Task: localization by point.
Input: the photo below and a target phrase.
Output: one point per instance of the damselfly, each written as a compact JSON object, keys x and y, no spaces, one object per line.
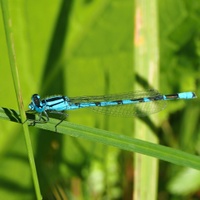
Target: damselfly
{"x":139,"y":103}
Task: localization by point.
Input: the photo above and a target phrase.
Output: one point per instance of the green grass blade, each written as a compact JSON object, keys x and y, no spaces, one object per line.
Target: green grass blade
{"x":120,"y":141}
{"x":146,"y":54}
{"x":126,"y":143}
{"x":15,"y":75}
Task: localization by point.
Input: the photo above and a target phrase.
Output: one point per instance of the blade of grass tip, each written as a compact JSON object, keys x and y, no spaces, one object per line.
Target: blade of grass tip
{"x":13,"y":64}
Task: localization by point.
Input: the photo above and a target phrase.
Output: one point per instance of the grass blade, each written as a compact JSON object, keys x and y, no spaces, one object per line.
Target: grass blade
{"x":146,"y":55}
{"x":109,"y":138}
{"x":15,"y":75}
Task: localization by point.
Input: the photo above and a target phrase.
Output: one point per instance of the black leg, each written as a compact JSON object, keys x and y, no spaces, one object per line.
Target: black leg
{"x":62,"y":118}
{"x":40,"y":120}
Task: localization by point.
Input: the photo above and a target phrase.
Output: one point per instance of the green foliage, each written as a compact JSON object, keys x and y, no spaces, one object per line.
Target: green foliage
{"x":85,"y":48}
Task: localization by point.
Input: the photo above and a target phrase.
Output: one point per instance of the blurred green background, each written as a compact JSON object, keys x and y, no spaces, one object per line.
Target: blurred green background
{"x":85,"y":47}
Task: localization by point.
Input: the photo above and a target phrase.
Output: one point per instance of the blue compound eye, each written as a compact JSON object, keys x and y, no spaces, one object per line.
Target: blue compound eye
{"x":36,"y":100}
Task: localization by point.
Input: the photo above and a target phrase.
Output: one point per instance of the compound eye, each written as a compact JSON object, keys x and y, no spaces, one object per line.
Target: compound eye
{"x":36,"y":100}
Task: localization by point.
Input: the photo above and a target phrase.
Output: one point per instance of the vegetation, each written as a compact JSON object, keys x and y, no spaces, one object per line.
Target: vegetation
{"x":78,"y":48}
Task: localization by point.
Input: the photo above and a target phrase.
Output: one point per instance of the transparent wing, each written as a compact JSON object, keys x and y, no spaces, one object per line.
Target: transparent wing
{"x":125,"y":110}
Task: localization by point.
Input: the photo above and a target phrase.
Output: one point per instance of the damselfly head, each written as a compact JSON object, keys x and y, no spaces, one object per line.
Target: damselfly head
{"x":35,"y":102}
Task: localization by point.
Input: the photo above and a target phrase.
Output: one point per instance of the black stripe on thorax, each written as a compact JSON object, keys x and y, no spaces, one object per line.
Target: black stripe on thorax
{"x":54,"y":99}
